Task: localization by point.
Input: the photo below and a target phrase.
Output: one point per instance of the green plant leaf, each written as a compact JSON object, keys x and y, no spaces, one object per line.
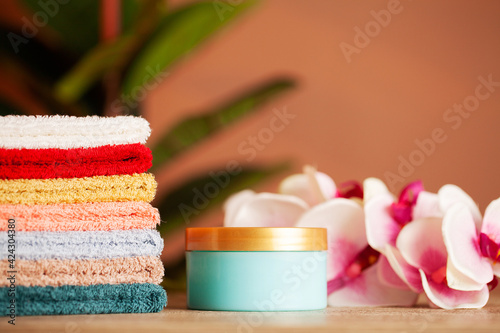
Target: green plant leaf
{"x":193,"y":130}
{"x":77,"y":22}
{"x":90,"y":69}
{"x":179,"y":208}
{"x":112,"y":56}
{"x":177,"y":34}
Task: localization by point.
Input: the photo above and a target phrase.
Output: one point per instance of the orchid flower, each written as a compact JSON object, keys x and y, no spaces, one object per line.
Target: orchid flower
{"x":474,"y":253}
{"x":357,"y":274}
{"x":311,"y":186}
{"x":315,"y":187}
{"x":423,"y":252}
{"x":250,"y":209}
{"x":386,"y":250}
{"x":385,"y":216}
{"x":297,"y":193}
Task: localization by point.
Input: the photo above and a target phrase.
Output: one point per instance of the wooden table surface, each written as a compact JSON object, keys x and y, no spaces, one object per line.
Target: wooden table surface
{"x":176,"y":318}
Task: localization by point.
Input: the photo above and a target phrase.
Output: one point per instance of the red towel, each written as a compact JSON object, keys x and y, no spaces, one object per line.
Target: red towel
{"x":77,"y":162}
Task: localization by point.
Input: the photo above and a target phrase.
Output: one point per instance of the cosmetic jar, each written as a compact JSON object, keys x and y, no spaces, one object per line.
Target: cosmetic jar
{"x":256,"y":269}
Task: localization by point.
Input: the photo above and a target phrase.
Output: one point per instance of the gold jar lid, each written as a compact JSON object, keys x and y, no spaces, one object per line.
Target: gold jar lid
{"x":255,"y":239}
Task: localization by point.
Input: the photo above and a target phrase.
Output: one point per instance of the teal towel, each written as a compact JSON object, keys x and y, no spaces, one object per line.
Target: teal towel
{"x":103,"y":298}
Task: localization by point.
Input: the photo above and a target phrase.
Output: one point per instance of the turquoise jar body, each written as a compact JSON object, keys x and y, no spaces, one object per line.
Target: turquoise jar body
{"x":256,"y":281}
{"x":279,"y":279}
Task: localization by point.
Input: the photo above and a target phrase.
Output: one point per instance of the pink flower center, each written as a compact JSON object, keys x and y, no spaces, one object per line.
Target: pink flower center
{"x":439,"y":276}
{"x":350,"y":189}
{"x":402,"y":210}
{"x":363,"y":260}
{"x":493,"y":283}
{"x":489,"y":248}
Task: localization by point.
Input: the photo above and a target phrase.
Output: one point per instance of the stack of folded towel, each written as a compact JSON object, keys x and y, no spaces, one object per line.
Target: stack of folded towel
{"x":76,"y":227}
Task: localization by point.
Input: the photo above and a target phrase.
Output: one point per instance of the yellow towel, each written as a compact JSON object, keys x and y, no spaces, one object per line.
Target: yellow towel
{"x":136,"y":187}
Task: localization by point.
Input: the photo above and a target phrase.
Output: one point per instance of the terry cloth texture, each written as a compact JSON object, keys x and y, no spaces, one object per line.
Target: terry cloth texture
{"x":34,"y":132}
{"x":66,"y":300}
{"x":38,"y":245}
{"x":77,"y":162}
{"x":54,"y":272}
{"x":81,"y":216}
{"x":136,"y":187}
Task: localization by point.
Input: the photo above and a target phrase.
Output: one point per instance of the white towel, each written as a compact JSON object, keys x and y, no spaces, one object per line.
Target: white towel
{"x":66,"y":132}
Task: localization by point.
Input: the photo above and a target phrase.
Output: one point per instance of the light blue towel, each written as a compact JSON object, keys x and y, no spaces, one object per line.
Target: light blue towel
{"x":36,"y":245}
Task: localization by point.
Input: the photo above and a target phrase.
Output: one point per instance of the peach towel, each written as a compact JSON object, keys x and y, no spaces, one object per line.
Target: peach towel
{"x":53,"y":272}
{"x":136,"y":187}
{"x":81,"y":216}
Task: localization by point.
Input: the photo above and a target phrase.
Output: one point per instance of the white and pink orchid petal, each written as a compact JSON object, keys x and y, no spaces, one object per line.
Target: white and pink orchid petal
{"x":300,"y":186}
{"x":421,"y":244}
{"x":407,"y":273}
{"x":450,"y":194}
{"x":269,"y":210}
{"x":233,"y":204}
{"x":387,"y":276}
{"x":444,"y":297}
{"x":459,"y":281}
{"x":469,"y":270}
{"x":373,"y":187}
{"x":368,"y":290}
{"x":491,"y":221}
{"x":344,"y":220}
{"x":427,"y":206}
{"x":381,"y":228}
